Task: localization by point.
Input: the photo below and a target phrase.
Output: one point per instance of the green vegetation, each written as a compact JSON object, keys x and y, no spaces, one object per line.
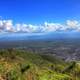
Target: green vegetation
{"x":23,"y":65}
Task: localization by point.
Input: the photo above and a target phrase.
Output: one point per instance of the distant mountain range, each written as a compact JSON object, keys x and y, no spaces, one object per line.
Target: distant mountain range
{"x":39,"y":36}
{"x":22,"y":39}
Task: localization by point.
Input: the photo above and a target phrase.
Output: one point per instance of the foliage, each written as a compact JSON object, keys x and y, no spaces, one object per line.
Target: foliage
{"x":18,"y":64}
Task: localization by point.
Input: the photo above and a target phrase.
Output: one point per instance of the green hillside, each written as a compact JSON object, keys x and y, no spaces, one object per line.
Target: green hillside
{"x":18,"y":64}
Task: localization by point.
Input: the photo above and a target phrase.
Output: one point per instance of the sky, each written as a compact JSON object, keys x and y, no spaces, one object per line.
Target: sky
{"x":39,"y":15}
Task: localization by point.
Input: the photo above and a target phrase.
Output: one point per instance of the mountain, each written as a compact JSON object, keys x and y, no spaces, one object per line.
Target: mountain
{"x":65,"y":45}
{"x":39,"y":36}
{"x":17,"y":64}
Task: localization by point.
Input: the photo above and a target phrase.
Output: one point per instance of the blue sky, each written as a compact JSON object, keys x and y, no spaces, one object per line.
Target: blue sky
{"x":39,"y":11}
{"x":39,"y":15}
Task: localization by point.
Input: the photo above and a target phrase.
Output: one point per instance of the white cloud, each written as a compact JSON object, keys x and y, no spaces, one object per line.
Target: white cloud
{"x":18,"y":27}
{"x":1,"y":25}
{"x":7,"y":26}
{"x":49,"y":27}
{"x":72,"y":24}
{"x":25,"y":28}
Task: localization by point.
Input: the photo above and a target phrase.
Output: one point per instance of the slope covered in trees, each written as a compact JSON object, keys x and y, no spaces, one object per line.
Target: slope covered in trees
{"x":18,"y":64}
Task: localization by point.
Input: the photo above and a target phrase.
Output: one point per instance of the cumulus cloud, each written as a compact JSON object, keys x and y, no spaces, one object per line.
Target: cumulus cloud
{"x":50,"y":27}
{"x":73,"y":24}
{"x":26,"y":28}
{"x":8,"y":26}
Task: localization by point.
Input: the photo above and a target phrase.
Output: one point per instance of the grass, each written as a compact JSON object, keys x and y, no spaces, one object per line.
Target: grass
{"x":18,"y":64}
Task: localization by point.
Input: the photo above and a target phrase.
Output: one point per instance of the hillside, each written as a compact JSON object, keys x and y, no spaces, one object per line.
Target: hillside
{"x":18,"y":64}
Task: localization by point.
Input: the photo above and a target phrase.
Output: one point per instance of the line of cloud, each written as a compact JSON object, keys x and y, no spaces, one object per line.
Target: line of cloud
{"x":70,"y":25}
